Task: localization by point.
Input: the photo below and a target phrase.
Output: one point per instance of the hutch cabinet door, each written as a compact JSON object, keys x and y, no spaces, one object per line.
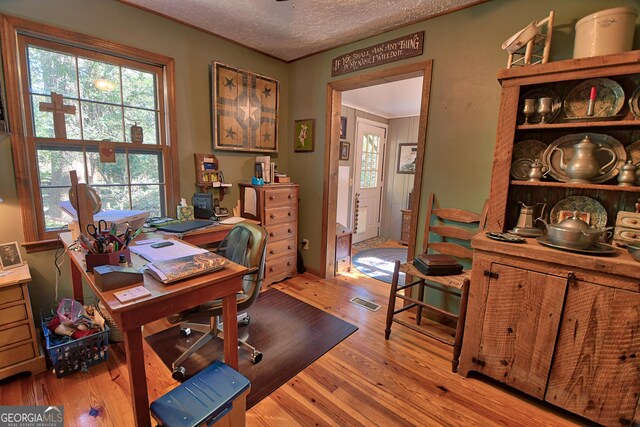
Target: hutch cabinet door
{"x":596,"y":367}
{"x":522,"y":314}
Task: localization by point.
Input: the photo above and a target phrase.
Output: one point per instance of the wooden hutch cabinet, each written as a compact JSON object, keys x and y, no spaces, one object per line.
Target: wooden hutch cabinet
{"x":559,"y":325}
{"x":276,"y":207}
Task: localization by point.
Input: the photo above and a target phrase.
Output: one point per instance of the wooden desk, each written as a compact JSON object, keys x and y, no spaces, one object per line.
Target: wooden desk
{"x":164,"y":300}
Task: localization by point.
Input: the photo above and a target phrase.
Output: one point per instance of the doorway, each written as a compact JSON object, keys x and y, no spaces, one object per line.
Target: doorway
{"x":368,"y":186}
{"x":332,"y":149}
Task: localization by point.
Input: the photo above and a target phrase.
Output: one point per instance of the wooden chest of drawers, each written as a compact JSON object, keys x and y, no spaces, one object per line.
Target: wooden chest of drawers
{"x":406,"y":224}
{"x":276,"y":207}
{"x":19,"y":349}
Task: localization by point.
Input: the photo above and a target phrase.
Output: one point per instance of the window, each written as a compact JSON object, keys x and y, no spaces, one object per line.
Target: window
{"x":369,"y":165}
{"x":101,"y":112}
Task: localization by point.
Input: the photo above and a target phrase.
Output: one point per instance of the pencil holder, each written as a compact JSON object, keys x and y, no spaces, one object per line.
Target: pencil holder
{"x":109,"y":258}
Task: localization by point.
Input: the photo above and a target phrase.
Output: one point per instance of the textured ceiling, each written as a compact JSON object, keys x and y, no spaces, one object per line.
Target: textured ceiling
{"x":289,"y":30}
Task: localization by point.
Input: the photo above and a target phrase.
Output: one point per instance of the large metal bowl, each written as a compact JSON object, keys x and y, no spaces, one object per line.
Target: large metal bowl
{"x":634,"y":250}
{"x":573,"y":239}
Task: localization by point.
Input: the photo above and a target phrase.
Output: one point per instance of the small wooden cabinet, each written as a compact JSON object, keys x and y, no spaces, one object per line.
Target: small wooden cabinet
{"x":276,"y":207}
{"x":19,"y":349}
{"x":561,"y":327}
{"x":343,"y":249}
{"x":406,"y":224}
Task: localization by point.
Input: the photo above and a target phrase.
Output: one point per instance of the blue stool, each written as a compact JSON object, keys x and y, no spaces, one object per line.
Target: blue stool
{"x":204,"y":398}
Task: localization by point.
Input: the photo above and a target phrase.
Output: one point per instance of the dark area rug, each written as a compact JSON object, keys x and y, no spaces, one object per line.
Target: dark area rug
{"x":378,"y":263}
{"x":290,"y":333}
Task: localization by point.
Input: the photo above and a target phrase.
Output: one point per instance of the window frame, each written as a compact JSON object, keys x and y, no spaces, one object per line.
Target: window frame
{"x":14,"y":32}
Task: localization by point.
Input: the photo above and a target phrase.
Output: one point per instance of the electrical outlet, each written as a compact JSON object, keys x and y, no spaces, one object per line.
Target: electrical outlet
{"x":305,"y":244}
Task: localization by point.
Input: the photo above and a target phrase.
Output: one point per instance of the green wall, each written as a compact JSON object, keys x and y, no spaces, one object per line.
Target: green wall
{"x":464,"y":45}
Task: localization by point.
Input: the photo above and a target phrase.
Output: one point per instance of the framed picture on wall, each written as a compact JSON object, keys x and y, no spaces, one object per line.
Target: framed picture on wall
{"x":343,"y":127}
{"x":303,"y":134}
{"x":407,"y":158}
{"x":245,"y":110}
{"x":344,"y":150}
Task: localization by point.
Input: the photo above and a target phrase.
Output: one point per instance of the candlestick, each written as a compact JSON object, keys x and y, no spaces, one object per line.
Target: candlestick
{"x":592,"y":101}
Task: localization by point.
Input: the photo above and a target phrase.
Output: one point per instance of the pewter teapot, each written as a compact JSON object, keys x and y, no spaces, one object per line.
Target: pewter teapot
{"x":583,"y":165}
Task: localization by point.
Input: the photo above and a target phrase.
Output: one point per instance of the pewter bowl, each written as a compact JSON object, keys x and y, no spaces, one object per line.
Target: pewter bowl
{"x":634,"y":250}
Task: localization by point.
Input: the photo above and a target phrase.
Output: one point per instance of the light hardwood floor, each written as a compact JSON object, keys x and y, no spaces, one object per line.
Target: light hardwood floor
{"x":364,"y":380}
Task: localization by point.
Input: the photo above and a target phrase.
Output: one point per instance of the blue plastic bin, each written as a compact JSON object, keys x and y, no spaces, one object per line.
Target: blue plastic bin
{"x":204,"y":398}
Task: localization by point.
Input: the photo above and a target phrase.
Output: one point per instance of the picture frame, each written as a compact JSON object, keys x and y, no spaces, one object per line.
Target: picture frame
{"x":344,"y":150}
{"x":407,"y":158}
{"x":10,"y":256}
{"x":343,"y":127}
{"x":245,"y":108}
{"x":303,"y":131}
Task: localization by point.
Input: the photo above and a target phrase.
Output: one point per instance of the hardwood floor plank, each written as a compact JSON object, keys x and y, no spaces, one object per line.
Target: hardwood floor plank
{"x":364,"y":380}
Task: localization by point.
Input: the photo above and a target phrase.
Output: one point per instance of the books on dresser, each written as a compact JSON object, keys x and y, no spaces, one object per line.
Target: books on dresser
{"x":437,"y":265}
{"x":170,"y":271}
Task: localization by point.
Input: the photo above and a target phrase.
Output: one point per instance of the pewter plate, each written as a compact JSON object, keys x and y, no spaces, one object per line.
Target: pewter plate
{"x":633,"y":152}
{"x":609,"y":99}
{"x":551,"y":157}
{"x":582,"y":204}
{"x":520,"y":169}
{"x":634,"y":103}
{"x":556,"y":104}
{"x":596,"y":249}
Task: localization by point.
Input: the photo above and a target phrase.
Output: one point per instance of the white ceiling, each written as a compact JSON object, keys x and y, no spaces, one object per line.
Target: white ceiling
{"x":390,"y":100}
{"x":293,"y":29}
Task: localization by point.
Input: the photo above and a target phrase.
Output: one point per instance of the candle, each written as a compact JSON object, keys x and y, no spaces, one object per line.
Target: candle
{"x":592,"y":101}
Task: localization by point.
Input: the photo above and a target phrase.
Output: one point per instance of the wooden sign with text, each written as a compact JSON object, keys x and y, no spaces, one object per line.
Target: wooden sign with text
{"x":383,"y":53}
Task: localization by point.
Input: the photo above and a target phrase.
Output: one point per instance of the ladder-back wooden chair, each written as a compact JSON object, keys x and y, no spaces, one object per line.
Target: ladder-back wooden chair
{"x":447,"y":231}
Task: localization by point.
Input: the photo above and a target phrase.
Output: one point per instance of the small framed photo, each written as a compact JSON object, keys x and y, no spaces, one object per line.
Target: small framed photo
{"x":10,"y":255}
{"x":343,"y":127}
{"x":344,"y":150}
{"x":407,"y":158}
{"x":303,"y":134}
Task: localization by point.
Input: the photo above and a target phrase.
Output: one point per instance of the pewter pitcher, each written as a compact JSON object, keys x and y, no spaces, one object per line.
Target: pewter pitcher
{"x":583,"y":165}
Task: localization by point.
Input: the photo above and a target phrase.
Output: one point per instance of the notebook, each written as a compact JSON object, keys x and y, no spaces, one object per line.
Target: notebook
{"x":184,"y":226}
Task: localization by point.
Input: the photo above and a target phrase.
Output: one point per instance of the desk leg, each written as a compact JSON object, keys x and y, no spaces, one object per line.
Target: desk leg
{"x":230,"y":321}
{"x":137,"y":377}
{"x":76,"y":282}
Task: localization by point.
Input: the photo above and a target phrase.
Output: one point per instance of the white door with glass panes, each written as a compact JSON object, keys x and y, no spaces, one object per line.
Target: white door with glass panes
{"x":368,"y":170}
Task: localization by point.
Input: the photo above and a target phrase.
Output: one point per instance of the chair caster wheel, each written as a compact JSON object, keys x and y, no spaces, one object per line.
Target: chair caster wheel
{"x":185,"y":332}
{"x":256,"y":357}
{"x":245,"y":321}
{"x":179,"y":373}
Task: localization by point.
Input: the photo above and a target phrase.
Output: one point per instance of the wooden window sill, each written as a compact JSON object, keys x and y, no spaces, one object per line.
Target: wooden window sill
{"x":41,"y":245}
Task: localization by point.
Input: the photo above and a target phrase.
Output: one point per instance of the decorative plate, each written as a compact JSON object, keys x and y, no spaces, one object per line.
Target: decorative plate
{"x":597,"y":212}
{"x":609,"y":99}
{"x":551,"y":157}
{"x":520,"y":169}
{"x":556,"y":104}
{"x":597,"y":249}
{"x":528,"y":149}
{"x":634,"y":103}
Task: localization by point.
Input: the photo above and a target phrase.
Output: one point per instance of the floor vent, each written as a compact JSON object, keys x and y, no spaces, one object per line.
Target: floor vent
{"x":366,"y":304}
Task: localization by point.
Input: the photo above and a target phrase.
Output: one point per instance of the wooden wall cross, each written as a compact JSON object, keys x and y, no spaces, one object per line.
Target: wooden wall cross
{"x":57,"y":107}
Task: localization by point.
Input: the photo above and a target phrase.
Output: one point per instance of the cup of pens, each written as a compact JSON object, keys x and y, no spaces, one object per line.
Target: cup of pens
{"x":105,"y":249}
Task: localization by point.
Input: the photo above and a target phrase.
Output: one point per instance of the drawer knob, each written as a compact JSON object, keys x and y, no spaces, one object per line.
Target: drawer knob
{"x":272,"y":197}
{"x":289,"y":213}
{"x":271,"y":269}
{"x":271,"y":252}
{"x":634,"y":221}
{"x":289,"y":230}
{"x":289,"y":196}
{"x":633,"y":236}
{"x":289,"y":247}
{"x":272,"y":216}
{"x":271,"y":234}
{"x":288,"y":263}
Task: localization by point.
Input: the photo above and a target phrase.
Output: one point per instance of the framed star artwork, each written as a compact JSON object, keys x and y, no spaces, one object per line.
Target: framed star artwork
{"x":245,"y":110}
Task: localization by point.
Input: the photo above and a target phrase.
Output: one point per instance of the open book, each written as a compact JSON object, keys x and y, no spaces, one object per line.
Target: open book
{"x":188,"y":266}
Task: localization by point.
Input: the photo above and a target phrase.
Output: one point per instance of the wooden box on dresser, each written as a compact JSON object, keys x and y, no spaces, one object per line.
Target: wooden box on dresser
{"x":561,"y":326}
{"x":276,"y":207}
{"x":19,"y":348}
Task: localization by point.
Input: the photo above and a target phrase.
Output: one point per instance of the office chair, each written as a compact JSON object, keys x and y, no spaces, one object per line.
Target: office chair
{"x":447,"y":231}
{"x":246,"y":245}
